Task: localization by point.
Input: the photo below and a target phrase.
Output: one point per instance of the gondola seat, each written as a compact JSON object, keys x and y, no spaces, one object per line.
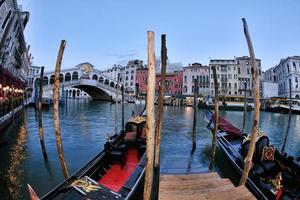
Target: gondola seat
{"x":265,"y":169}
{"x":130,"y":136}
{"x":118,"y":156}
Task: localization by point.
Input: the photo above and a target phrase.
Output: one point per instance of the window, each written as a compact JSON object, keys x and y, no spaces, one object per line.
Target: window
{"x":239,"y":70}
{"x":288,"y":68}
{"x":185,"y":79}
{"x":131,"y":77}
{"x":234,"y":68}
{"x":229,"y":76}
{"x":235,"y":76}
{"x":218,"y":76}
{"x":248,"y":71}
{"x":1,"y":2}
{"x":5,"y":20}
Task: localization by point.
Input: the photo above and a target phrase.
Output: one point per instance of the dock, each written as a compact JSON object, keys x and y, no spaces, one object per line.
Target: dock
{"x":203,"y":186}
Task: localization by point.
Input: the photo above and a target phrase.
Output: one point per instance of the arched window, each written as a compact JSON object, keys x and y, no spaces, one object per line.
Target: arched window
{"x":95,"y":77}
{"x":101,"y":79}
{"x":52,"y":79}
{"x":112,"y":84}
{"x":78,"y":93}
{"x":185,"y":89}
{"x":61,"y":78}
{"x":67,"y":77}
{"x":75,"y":76}
{"x":106,"y":82}
{"x":45,"y":80}
{"x":37,"y":82}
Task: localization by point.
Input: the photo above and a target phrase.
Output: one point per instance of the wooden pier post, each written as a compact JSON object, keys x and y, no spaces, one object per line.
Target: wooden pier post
{"x":162,"y":87}
{"x":214,"y":138}
{"x":56,"y":109}
{"x":255,"y":89}
{"x":41,"y":129}
{"x":289,"y":119}
{"x":116,"y":108}
{"x":150,"y":124}
{"x":195,"y":113}
{"x":245,"y":107}
{"x":123,"y":112}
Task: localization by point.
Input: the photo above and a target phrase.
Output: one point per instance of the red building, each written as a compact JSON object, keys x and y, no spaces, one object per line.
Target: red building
{"x":174,"y":82}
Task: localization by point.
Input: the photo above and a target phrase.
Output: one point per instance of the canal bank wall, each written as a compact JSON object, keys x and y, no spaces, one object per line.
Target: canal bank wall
{"x":7,"y":119}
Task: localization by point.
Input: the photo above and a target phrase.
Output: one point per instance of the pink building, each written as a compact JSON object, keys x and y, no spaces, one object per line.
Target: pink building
{"x":174,"y":82}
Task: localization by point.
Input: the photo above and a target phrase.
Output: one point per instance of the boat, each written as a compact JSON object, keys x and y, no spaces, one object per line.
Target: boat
{"x":273,"y":175}
{"x":281,"y":105}
{"x":235,"y":103}
{"x":117,"y":172}
{"x":129,"y":100}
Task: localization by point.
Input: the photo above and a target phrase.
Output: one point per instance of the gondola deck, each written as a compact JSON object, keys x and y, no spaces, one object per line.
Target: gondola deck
{"x":116,"y":177}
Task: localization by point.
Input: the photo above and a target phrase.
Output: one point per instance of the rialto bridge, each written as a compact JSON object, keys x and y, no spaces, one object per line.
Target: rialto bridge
{"x":79,"y":81}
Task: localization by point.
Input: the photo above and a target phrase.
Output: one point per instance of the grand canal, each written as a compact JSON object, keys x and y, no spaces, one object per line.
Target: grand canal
{"x":84,"y":128}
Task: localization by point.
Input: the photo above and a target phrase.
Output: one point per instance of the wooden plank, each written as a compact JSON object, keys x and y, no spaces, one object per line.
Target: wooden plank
{"x":211,"y":183}
{"x":205,"y":186}
{"x":173,"y":177}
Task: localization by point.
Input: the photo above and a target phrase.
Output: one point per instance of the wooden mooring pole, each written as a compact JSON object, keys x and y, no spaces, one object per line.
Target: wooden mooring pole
{"x":41,"y":129}
{"x":56,"y":110}
{"x":116,"y":108}
{"x":214,"y":138}
{"x":150,"y":123}
{"x":289,"y":119}
{"x":195,"y":114}
{"x":162,"y":88}
{"x":255,"y":89}
{"x":245,"y":107}
{"x":123,"y":112}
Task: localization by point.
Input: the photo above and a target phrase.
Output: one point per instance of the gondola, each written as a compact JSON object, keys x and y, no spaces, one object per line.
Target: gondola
{"x":117,"y":172}
{"x":272,"y":176}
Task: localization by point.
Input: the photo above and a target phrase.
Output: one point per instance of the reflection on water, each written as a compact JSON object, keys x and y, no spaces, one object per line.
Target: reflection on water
{"x":84,"y":126}
{"x":14,"y":177}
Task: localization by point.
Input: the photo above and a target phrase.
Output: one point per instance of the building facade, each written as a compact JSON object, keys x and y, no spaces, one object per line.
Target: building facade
{"x":269,"y":89}
{"x":245,"y":75}
{"x":113,"y":72}
{"x":288,"y":69}
{"x":15,"y":60}
{"x":192,"y":72}
{"x":173,"y":82}
{"x":129,"y":75}
{"x":14,"y":52}
{"x":227,"y":75}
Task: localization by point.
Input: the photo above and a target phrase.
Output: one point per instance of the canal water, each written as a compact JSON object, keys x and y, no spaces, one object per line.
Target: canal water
{"x":84,"y":128}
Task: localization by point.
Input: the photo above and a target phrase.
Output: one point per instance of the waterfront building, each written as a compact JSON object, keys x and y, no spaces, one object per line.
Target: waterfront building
{"x":191,"y":72}
{"x":227,"y":75}
{"x":129,"y":75}
{"x":113,"y":72}
{"x":33,"y":72}
{"x":270,"y":75}
{"x":244,"y":74}
{"x":15,"y":59}
{"x":173,"y":82}
{"x":288,"y":68}
{"x":269,"y":89}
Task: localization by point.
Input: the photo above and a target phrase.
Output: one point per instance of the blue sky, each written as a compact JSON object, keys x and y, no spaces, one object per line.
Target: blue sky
{"x":107,"y":32}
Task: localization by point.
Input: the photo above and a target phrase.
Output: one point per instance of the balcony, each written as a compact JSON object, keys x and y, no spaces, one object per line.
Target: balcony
{"x":224,"y":79}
